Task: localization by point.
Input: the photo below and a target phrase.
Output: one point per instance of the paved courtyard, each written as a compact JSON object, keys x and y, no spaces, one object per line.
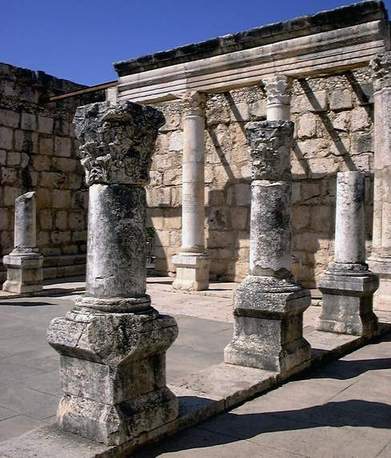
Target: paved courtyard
{"x":345,"y":408}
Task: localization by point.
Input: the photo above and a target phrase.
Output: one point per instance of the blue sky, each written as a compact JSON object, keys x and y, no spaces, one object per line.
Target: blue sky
{"x":80,"y":39}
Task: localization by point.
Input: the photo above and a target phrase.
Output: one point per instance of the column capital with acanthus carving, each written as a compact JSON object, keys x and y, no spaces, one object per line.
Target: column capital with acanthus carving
{"x":278,"y":89}
{"x":270,"y":149}
{"x":380,"y":68}
{"x":193,"y":103}
{"x":117,"y":141}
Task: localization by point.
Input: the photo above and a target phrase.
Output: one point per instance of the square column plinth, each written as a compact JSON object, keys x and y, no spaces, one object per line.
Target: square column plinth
{"x":24,"y":273}
{"x":192,"y":271}
{"x":113,"y":373}
{"x":268,"y":331}
{"x":347,"y":303}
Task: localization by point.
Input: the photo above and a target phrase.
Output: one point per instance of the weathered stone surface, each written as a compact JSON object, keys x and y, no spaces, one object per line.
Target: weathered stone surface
{"x":113,"y":343}
{"x":24,"y":263}
{"x":347,"y":285}
{"x":380,"y":260}
{"x":116,"y":142}
{"x":113,"y":373}
{"x":269,"y":305}
{"x":192,"y":267}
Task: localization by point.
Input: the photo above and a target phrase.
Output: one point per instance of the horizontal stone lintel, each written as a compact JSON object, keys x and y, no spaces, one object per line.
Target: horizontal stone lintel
{"x":321,"y":53}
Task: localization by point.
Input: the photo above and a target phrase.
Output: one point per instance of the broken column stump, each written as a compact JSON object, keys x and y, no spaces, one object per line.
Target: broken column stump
{"x":24,"y":263}
{"x":347,"y":285}
{"x":113,"y":343}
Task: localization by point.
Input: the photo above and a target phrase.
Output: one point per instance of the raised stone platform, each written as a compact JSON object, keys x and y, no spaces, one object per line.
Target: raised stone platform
{"x":203,"y":385}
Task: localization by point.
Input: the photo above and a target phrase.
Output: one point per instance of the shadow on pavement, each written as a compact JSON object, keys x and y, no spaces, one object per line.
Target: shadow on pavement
{"x":232,"y":427}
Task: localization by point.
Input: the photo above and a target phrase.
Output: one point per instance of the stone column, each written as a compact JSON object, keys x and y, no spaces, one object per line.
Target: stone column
{"x":192,"y":265}
{"x":380,"y":259}
{"x":278,"y":98}
{"x":347,"y":285}
{"x":269,"y":305}
{"x":113,"y":343}
{"x":24,"y":263}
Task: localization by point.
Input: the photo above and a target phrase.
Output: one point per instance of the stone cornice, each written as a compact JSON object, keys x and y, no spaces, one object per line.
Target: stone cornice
{"x":117,"y":141}
{"x":319,"y":53}
{"x":323,"y":21}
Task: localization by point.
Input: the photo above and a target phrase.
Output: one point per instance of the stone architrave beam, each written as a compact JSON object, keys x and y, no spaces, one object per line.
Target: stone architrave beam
{"x":269,"y":305}
{"x":113,"y":343}
{"x":192,"y":265}
{"x":24,"y":263}
{"x":347,"y":285}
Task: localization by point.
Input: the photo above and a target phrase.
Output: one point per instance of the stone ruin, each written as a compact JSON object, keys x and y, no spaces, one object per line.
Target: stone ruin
{"x":280,"y":127}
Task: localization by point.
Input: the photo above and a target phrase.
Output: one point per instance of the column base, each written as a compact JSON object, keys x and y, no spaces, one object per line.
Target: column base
{"x":382,"y":297}
{"x":348,"y":303}
{"x":24,"y":272}
{"x":268,"y":329}
{"x":192,"y":271}
{"x":113,"y":373}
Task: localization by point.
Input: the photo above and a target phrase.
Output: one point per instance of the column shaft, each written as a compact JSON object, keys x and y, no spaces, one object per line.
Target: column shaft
{"x":193,"y":183}
{"x":349,"y":227}
{"x":192,"y":265}
{"x":380,"y":259}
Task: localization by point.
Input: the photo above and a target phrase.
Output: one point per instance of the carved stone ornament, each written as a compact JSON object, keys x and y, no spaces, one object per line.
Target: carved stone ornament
{"x":380,"y":68}
{"x":193,"y":103}
{"x":270,"y":148}
{"x":117,"y":141}
{"x":278,"y":90}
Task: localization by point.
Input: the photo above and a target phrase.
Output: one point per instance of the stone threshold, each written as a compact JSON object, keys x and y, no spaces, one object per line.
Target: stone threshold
{"x":202,"y":395}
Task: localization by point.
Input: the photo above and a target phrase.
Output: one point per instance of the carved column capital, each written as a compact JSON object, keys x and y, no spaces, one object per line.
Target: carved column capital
{"x":380,"y":68}
{"x":270,"y":147}
{"x":278,"y":89}
{"x":193,"y":103}
{"x":117,"y":141}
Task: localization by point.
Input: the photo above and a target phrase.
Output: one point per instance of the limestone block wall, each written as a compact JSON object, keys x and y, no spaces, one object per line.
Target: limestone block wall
{"x":333,"y":118}
{"x":38,"y":152}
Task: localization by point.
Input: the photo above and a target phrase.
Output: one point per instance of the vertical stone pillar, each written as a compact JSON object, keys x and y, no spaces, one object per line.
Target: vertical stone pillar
{"x":113,"y":343}
{"x":278,"y":98}
{"x":192,"y":265}
{"x":348,"y":285}
{"x":380,"y":259}
{"x":269,"y":305}
{"x":24,"y":263}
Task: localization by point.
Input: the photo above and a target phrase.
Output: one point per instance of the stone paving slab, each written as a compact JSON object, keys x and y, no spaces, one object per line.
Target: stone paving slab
{"x":28,"y":366}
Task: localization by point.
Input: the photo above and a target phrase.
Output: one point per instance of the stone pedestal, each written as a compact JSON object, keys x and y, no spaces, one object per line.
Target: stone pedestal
{"x":24,"y":263}
{"x":192,"y":266}
{"x":113,"y":343}
{"x":348,"y":285}
{"x":380,"y":259}
{"x":269,"y":305}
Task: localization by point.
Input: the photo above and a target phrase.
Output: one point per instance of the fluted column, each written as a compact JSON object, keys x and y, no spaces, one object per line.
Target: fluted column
{"x":24,"y":263}
{"x":269,"y":305}
{"x":347,"y":285}
{"x":380,"y":260}
{"x":192,"y":266}
{"x":113,"y":343}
